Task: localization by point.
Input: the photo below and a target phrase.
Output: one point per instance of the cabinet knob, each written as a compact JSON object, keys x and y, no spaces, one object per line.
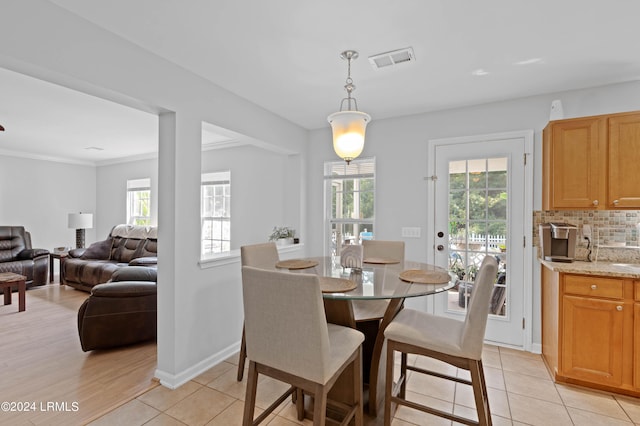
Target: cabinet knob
{"x":616,"y":202}
{"x":619,"y":307}
{"x":594,"y":287}
{"x":595,"y":202}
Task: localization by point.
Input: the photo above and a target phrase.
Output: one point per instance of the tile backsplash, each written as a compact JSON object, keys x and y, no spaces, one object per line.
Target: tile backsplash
{"x":609,"y":228}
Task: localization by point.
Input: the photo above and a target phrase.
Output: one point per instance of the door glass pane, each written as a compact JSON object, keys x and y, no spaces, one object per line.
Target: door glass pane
{"x":477,"y":227}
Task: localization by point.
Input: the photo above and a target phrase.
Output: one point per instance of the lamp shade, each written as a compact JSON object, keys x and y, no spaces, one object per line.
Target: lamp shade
{"x":348,"y":133}
{"x":80,"y":220}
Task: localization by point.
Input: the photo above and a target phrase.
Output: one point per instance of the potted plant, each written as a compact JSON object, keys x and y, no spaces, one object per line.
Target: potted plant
{"x":282,"y":235}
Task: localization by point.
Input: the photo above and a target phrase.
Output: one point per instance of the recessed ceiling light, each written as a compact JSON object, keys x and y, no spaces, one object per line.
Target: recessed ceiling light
{"x":529,"y":61}
{"x":94,"y":148}
{"x":480,"y":71}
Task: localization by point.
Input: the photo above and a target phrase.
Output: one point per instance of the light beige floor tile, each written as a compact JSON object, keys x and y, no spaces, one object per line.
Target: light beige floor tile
{"x":270,"y":390}
{"x":435,"y":365}
{"x":215,"y":372}
{"x":232,"y":415}
{"x":470,"y":413}
{"x":161,"y":398}
{"x":227,"y":384}
{"x":290,"y":413}
{"x":200,"y":407}
{"x":631,"y":406}
{"x":596,"y":402}
{"x":588,"y":418}
{"x":398,"y":422}
{"x":530,"y":386}
{"x":281,"y":421}
{"x":133,"y":413}
{"x":418,"y":417}
{"x":491,"y":358}
{"x":537,"y":412}
{"x":532,"y":366}
{"x":164,"y":420}
{"x":494,"y":378}
{"x":498,"y":401}
{"x":434,"y":387}
{"x":518,"y":352}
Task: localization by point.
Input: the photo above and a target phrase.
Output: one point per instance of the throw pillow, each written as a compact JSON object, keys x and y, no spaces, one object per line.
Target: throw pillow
{"x":98,"y":250}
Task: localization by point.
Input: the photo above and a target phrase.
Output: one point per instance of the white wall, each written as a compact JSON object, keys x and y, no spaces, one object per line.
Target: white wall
{"x":400,"y":148}
{"x":111,"y":190}
{"x":257,"y":190}
{"x":39,"y":194}
{"x":196,"y":328}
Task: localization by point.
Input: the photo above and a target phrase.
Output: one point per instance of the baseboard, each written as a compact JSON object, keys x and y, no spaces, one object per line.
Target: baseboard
{"x":174,"y":381}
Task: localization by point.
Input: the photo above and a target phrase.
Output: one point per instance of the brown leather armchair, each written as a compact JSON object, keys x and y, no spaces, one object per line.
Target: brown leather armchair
{"x":120,"y":312}
{"x":17,"y":256}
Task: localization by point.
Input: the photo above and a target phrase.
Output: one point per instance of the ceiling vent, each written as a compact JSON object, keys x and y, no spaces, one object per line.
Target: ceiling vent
{"x":395,"y":57}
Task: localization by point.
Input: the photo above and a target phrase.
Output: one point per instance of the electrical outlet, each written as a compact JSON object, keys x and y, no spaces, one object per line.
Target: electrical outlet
{"x":586,"y":231}
{"x":411,"y":232}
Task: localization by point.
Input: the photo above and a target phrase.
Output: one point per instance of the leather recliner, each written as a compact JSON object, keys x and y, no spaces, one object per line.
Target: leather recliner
{"x":18,"y":256}
{"x":120,"y":312}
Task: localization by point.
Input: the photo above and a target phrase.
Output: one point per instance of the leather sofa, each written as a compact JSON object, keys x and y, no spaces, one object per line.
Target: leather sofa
{"x":120,"y":312}
{"x":18,"y":256}
{"x":126,"y":245}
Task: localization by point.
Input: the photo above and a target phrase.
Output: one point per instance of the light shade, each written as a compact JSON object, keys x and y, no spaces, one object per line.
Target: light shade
{"x":80,"y":221}
{"x":348,"y":133}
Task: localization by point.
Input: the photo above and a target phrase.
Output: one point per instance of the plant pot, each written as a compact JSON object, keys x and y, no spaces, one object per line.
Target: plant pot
{"x":284,"y":241}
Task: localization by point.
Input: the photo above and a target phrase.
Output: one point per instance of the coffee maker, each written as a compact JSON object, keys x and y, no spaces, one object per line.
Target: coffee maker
{"x":558,"y":241}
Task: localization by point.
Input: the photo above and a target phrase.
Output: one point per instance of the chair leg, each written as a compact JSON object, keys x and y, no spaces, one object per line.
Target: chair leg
{"x":242,"y":357}
{"x":403,"y":375}
{"x":250,"y":396}
{"x":388,"y":386}
{"x":299,"y":401}
{"x":480,"y":392}
{"x":357,"y":388}
{"x":320,"y":406}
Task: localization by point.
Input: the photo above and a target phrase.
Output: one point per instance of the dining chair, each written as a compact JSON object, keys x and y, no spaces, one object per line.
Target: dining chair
{"x":264,"y":256}
{"x":288,"y":339}
{"x":455,"y":342}
{"x":371,"y":310}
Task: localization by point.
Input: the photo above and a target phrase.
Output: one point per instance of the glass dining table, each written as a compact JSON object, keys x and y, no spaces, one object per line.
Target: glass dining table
{"x":378,"y":279}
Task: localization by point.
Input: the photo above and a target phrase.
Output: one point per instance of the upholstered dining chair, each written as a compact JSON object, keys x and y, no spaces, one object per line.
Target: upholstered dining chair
{"x":288,"y":339}
{"x":263,"y":256}
{"x":371,"y":310}
{"x":458,"y":343}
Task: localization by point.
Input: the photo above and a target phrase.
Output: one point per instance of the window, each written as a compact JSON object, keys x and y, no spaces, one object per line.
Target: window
{"x":215,"y":212}
{"x":139,"y":202}
{"x":349,"y":199}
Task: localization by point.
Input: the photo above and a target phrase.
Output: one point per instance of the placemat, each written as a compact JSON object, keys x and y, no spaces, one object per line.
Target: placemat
{"x":336,"y":285}
{"x":380,"y":260}
{"x":424,"y":277}
{"x":296,"y":264}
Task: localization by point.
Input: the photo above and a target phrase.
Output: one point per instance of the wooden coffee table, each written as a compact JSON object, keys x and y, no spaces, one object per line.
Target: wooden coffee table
{"x":7,"y":279}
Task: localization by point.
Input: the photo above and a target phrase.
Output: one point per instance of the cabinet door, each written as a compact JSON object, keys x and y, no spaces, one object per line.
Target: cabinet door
{"x":624,"y":160}
{"x":636,"y":345}
{"x":575,"y":164}
{"x":592,"y":337}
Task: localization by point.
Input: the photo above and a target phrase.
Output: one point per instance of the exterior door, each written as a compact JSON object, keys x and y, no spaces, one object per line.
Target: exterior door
{"x":481,"y":201}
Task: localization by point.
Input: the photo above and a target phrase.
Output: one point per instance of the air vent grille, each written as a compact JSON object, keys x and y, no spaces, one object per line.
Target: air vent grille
{"x":395,"y":57}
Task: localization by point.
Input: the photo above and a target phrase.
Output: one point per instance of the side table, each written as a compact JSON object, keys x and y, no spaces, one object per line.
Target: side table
{"x":61,"y":256}
{"x":7,"y":279}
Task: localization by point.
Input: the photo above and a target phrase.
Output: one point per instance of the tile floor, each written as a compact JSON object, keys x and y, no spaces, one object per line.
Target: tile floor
{"x":520,"y":393}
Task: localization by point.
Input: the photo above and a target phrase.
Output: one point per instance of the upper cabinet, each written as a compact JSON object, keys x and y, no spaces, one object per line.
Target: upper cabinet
{"x":592,"y":163}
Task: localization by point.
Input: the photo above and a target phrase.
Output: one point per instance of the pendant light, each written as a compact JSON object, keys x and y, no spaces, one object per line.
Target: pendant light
{"x":349,"y":125}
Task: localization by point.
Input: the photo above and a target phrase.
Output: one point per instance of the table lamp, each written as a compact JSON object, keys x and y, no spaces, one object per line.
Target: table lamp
{"x":80,"y":222}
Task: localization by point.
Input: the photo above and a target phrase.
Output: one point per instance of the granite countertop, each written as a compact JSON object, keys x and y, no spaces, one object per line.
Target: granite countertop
{"x":610,"y":269}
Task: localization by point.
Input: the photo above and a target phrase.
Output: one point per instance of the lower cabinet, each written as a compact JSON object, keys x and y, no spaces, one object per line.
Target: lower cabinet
{"x":592,"y":337}
{"x":590,"y":323}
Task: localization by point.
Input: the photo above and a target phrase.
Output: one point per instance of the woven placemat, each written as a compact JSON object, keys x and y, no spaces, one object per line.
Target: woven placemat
{"x":381,"y":260}
{"x":296,"y":264}
{"x":336,"y":285}
{"x":424,"y":277}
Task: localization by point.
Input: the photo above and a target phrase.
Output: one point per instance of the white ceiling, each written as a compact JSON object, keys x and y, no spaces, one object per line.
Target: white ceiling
{"x":284,"y":56}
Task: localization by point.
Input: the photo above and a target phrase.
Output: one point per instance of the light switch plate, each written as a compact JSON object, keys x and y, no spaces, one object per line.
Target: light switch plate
{"x":411,"y":232}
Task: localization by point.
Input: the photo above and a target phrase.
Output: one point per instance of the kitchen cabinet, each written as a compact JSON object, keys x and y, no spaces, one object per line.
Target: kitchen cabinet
{"x":592,"y":162}
{"x":588,"y":326}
